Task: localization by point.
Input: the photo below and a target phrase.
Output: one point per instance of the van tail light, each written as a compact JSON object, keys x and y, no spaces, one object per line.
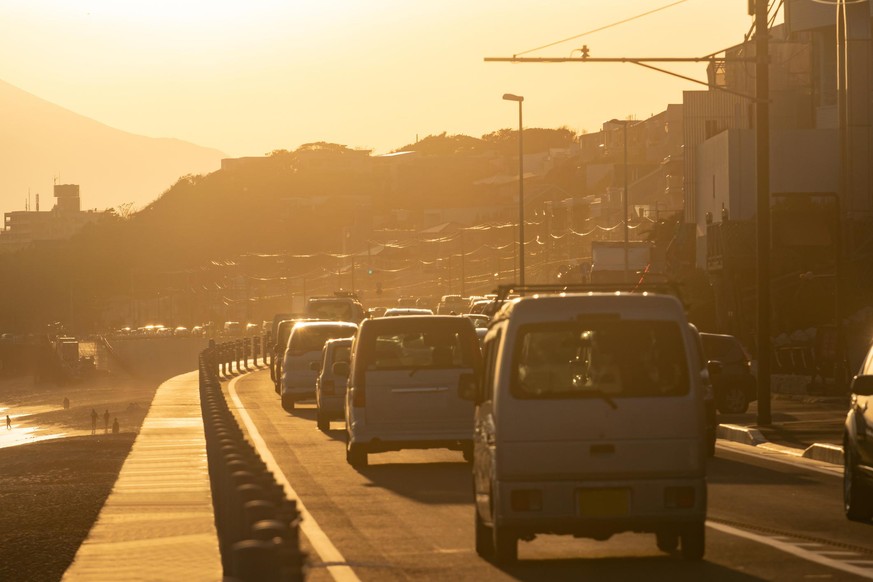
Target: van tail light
{"x":679,"y":497}
{"x":327,"y":386}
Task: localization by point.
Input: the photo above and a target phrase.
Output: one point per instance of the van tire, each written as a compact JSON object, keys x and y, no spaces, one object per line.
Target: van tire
{"x":356,"y":455}
{"x":733,"y":400}
{"x":287,"y":403}
{"x":322,"y":422}
{"x":667,"y":540}
{"x":693,"y":539}
{"x":505,"y":543}
{"x":484,"y":541}
{"x":857,"y":496}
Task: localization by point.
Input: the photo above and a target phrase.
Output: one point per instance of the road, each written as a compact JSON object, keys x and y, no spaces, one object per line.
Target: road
{"x":409,"y":515}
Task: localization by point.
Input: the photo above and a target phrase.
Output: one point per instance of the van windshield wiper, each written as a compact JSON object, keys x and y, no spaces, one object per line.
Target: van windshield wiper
{"x":604,"y":396}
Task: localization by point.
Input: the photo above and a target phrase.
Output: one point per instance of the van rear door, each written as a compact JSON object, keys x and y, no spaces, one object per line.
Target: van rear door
{"x":599,"y":399}
{"x":412,"y":372}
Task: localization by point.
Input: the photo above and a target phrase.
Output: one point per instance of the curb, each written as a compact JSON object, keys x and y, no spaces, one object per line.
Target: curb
{"x":823,"y":452}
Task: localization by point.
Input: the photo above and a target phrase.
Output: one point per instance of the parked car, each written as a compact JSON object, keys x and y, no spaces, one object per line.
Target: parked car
{"x":403,"y":386}
{"x":589,"y":421}
{"x":735,"y":386}
{"x":330,"y":386}
{"x":858,"y":446}
{"x":305,"y":344}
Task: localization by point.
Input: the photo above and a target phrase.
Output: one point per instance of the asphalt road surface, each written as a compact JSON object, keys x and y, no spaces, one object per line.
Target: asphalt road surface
{"x":409,"y":515}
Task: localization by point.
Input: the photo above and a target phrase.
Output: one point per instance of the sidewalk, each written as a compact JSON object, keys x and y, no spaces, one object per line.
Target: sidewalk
{"x":158,"y":521}
{"x":803,"y":422}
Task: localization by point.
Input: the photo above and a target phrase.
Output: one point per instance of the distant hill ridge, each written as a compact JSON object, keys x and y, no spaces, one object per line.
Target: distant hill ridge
{"x":40,"y":141}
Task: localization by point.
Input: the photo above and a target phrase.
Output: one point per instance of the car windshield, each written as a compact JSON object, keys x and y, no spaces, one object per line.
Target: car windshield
{"x":613,"y":358}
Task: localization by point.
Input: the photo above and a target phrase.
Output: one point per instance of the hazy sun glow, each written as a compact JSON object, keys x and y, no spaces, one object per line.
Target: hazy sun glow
{"x":250,"y":76}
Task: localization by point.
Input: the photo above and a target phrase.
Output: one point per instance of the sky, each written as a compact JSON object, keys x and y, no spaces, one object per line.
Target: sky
{"x":251,"y":76}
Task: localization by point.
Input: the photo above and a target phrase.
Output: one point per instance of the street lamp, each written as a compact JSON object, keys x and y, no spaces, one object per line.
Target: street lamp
{"x":624,"y":202}
{"x":519,"y":99}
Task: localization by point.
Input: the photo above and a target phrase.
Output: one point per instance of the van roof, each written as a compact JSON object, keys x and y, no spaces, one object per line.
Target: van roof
{"x":557,"y":307}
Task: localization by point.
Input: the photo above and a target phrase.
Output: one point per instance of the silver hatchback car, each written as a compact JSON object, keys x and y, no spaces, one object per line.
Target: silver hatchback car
{"x":330,"y":386}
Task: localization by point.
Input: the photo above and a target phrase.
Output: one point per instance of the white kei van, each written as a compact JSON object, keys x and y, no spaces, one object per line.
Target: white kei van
{"x":403,"y":388}
{"x":589,"y":421}
{"x":305,"y":344}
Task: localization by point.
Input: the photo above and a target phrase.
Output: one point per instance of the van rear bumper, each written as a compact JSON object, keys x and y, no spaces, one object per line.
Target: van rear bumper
{"x":381,"y":446}
{"x":649,"y":506}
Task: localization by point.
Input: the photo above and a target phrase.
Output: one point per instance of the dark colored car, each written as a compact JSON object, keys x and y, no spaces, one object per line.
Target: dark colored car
{"x":735,"y":386}
{"x":858,"y":446}
{"x":708,"y":369}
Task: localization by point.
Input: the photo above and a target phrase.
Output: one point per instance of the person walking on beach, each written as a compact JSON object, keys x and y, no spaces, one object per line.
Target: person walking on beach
{"x":93,"y":421}
{"x":115,"y":426}
{"x":8,"y":423}
{"x":106,"y":421}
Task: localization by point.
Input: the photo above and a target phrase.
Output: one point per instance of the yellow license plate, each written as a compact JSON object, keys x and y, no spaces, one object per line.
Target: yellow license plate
{"x":613,"y":502}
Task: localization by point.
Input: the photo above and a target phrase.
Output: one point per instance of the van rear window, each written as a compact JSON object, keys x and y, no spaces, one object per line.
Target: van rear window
{"x":422,"y":346}
{"x":613,"y":358}
{"x":312,"y":338}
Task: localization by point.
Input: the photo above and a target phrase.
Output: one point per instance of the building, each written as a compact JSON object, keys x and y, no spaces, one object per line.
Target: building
{"x":22,"y":228}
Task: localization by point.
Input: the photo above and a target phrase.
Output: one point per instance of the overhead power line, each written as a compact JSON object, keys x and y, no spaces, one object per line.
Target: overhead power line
{"x":620,"y":22}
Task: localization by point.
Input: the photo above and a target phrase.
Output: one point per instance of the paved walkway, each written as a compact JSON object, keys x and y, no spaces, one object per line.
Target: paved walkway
{"x":158,"y":523}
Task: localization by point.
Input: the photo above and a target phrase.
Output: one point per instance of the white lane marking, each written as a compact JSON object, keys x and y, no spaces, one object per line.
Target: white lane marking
{"x":339,"y":569}
{"x":793,"y":549}
{"x":801,"y":462}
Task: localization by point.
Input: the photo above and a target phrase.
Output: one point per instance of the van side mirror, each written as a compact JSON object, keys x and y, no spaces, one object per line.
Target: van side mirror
{"x":315,"y":366}
{"x":862,"y":385}
{"x":468,"y":388}
{"x":340,"y":368}
{"x":714,"y":367}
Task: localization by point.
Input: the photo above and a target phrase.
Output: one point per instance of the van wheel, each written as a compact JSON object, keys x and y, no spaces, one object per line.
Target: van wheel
{"x":321,"y":422}
{"x":733,"y":400}
{"x":857,"y":497}
{"x":693,"y":539}
{"x":356,"y":455}
{"x":505,"y":545}
{"x":287,"y":403}
{"x":667,"y":540}
{"x":484,"y":543}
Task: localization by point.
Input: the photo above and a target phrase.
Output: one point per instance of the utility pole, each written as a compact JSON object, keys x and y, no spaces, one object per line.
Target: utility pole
{"x":762,"y":138}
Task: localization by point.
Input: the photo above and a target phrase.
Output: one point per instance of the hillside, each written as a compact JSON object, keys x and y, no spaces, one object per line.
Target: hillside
{"x":40,"y":141}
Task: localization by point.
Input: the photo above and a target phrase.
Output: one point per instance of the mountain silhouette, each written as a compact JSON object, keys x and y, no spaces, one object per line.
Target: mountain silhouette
{"x":41,"y":143}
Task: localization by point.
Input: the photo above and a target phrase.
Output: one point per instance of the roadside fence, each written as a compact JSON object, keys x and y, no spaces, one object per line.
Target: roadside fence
{"x":258,"y":526}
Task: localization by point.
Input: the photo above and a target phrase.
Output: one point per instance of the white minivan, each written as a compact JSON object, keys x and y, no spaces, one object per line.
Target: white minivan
{"x":589,"y":421}
{"x":403,"y":387}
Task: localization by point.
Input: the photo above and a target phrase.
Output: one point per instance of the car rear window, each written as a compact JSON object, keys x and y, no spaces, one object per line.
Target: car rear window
{"x":722,"y":348}
{"x":613,"y":358}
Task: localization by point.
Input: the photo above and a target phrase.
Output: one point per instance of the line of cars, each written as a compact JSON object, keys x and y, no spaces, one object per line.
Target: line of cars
{"x":585,"y":414}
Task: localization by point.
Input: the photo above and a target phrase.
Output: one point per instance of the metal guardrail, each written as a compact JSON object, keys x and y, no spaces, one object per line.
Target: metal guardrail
{"x":258,"y":526}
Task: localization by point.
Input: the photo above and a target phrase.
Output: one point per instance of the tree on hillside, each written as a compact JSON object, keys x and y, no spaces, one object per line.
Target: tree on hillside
{"x":446,"y":145}
{"x":535,"y":139}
